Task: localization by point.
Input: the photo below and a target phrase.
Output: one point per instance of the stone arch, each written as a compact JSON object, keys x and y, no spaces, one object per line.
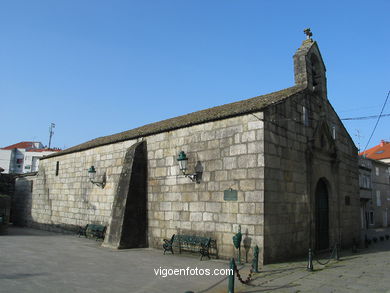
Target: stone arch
{"x":321,"y":213}
{"x":317,"y":74}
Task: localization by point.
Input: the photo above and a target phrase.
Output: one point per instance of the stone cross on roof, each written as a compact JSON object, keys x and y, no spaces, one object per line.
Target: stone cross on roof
{"x":308,"y":33}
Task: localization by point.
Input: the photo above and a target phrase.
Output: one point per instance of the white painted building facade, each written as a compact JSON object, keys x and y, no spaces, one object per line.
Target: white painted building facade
{"x":23,"y":157}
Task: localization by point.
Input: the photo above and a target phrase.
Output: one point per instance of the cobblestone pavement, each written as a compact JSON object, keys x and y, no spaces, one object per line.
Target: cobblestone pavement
{"x":39,"y":261}
{"x":368,"y":270}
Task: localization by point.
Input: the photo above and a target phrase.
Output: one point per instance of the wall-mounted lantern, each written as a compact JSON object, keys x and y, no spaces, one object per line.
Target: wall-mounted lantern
{"x":183,"y":161}
{"x":92,"y":174}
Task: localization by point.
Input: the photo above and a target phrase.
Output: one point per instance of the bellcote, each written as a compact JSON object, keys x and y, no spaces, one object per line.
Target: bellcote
{"x":309,"y":68}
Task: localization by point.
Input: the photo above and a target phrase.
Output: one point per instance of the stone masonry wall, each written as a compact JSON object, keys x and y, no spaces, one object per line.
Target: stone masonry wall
{"x":67,"y":199}
{"x":231,"y":154}
{"x":286,"y":201}
{"x":290,"y":178}
{"x":380,"y":187}
{"x":21,"y":200}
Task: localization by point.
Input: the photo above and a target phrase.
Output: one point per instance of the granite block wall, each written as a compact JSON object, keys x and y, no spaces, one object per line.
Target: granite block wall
{"x":231,"y":154}
{"x":294,"y":164}
{"x":64,"y":197}
{"x":230,"y":151}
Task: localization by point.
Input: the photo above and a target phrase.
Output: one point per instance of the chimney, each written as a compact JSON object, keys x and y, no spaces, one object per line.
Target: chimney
{"x":382,"y":143}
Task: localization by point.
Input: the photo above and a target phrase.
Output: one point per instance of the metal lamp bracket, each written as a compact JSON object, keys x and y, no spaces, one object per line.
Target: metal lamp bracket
{"x":101,"y":183}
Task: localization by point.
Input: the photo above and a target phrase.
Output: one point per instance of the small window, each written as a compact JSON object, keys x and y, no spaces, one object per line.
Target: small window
{"x":371,"y":218}
{"x":377,"y":171}
{"x":334,"y":132}
{"x":378,"y":198}
{"x":57,"y":167}
{"x":347,"y":201}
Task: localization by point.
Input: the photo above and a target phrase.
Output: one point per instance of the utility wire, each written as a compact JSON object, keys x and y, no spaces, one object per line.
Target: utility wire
{"x":366,"y":117}
{"x":312,"y":119}
{"x":377,"y":121}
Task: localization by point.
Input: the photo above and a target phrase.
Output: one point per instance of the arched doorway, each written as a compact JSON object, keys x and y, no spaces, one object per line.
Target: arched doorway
{"x":322,"y":215}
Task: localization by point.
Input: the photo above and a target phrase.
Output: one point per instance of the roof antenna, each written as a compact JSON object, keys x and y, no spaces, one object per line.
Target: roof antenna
{"x":51,"y":132}
{"x":358,"y":136}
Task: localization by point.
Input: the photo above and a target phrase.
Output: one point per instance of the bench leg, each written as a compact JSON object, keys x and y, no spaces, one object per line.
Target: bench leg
{"x":204,"y":252}
{"x":168,"y":248}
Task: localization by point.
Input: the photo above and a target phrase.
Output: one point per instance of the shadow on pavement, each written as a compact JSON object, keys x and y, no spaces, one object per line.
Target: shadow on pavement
{"x":20,"y":276}
{"x":23,"y":231}
{"x":214,"y":286}
{"x":267,"y":288}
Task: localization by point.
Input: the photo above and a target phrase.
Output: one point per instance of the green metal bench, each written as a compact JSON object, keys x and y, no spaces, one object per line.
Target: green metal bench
{"x":190,"y":243}
{"x":93,"y":231}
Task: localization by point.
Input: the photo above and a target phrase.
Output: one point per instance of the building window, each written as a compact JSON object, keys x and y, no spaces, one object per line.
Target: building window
{"x":364,"y":181}
{"x":377,"y":171}
{"x":57,"y":167}
{"x":347,"y":201}
{"x":305,"y":116}
{"x":371,"y":218}
{"x":334,"y":132}
{"x":378,"y":198}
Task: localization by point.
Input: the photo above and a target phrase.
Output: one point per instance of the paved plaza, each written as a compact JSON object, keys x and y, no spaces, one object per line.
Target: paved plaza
{"x":40,"y":261}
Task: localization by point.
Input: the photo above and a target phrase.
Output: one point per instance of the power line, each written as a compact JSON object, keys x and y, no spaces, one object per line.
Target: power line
{"x":377,"y":121}
{"x":312,"y":119}
{"x":366,"y":117}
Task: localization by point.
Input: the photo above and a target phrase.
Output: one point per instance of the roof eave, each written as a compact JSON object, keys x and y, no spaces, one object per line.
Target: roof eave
{"x":138,"y":132}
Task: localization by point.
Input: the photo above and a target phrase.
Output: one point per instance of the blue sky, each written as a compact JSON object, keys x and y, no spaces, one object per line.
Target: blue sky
{"x":96,"y":68}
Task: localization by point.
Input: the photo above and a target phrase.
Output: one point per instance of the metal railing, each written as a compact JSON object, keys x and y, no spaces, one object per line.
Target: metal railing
{"x":334,"y":254}
{"x":236,"y":271}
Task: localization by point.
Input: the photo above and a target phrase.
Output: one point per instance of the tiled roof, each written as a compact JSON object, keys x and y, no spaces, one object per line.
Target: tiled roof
{"x":43,"y":150}
{"x":212,"y":114}
{"x":378,"y":152}
{"x":20,"y":145}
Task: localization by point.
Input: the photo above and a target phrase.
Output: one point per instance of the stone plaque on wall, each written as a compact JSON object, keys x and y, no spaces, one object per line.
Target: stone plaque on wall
{"x":230,"y":195}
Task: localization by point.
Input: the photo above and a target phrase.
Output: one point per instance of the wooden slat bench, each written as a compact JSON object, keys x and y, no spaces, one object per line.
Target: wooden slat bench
{"x":93,"y":231}
{"x":191,"y":243}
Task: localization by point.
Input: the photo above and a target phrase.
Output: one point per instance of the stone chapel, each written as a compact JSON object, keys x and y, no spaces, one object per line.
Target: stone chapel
{"x":280,"y":165}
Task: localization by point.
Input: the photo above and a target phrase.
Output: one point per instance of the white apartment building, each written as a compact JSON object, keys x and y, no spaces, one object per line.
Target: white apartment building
{"x":23,"y":157}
